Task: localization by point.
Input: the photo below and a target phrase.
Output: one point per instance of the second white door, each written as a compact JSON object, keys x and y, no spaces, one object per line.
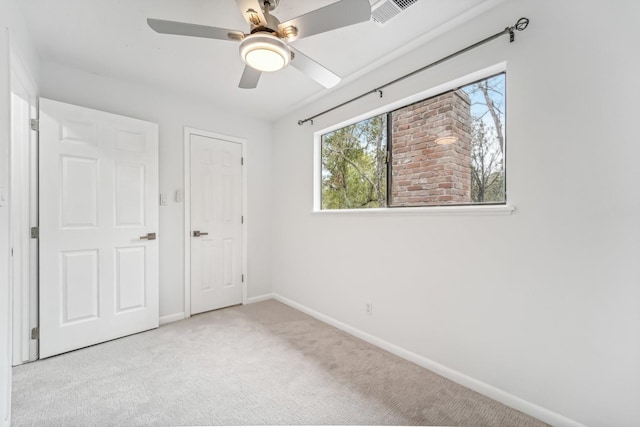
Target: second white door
{"x":216,"y":223}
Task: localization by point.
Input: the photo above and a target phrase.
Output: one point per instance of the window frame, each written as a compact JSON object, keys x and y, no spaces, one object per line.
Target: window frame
{"x":390,"y":141}
{"x":496,"y":208}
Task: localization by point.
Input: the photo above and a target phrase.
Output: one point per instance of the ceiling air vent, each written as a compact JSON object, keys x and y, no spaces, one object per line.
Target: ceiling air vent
{"x":384,"y":10}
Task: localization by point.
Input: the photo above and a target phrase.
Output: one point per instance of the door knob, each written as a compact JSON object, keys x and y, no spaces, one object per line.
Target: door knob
{"x":149,"y":236}
{"x":199,"y":233}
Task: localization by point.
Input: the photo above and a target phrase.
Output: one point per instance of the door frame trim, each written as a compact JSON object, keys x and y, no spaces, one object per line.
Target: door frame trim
{"x":188,"y":131}
{"x":26,"y":310}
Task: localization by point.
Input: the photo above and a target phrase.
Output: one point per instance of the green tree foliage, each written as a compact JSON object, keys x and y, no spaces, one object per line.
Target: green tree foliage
{"x":354,"y":165}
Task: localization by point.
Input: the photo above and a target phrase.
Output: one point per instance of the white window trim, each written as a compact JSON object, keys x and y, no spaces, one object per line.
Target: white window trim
{"x":425,"y":210}
{"x":500,"y":209}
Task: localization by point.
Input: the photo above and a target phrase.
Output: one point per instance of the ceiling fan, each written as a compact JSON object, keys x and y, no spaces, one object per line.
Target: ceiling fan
{"x":266,"y":47}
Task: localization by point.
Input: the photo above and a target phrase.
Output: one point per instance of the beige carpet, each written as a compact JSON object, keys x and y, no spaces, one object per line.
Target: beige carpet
{"x":252,"y":365}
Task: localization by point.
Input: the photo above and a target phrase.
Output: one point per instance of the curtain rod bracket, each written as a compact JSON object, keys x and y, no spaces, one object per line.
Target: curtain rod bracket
{"x":521,"y":25}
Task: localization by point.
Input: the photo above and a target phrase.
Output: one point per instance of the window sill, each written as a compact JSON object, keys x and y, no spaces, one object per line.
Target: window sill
{"x":427,"y":210}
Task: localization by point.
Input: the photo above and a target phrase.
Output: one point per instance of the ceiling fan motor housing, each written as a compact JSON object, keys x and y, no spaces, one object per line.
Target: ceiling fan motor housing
{"x":271,"y":24}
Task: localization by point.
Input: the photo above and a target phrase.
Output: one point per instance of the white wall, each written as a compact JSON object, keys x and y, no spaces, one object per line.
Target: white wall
{"x":13,"y":37}
{"x":543,"y":304}
{"x":172,"y":113}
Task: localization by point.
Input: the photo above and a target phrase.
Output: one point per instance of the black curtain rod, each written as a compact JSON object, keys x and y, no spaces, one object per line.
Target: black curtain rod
{"x":521,"y":25}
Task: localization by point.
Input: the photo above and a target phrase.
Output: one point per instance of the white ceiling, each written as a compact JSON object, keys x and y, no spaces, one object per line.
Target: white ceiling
{"x":111,"y":38}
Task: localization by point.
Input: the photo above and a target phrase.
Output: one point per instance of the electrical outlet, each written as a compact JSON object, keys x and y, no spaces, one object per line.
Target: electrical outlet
{"x":368,"y":307}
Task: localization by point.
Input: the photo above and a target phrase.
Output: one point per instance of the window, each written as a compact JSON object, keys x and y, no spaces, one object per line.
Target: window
{"x":354,"y":165}
{"x":444,"y":150}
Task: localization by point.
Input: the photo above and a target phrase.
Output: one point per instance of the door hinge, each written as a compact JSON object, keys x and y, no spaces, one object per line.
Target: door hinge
{"x":242,"y":220}
{"x":242,"y":161}
{"x":35,"y":232}
{"x":35,"y":333}
{"x":35,"y":124}
{"x":243,"y":278}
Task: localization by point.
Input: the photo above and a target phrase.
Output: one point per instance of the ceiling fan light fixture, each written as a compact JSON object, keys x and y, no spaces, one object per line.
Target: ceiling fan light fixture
{"x":265,"y":52}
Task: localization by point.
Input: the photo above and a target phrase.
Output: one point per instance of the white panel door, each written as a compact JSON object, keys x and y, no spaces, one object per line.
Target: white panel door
{"x":216,"y":223}
{"x":98,"y":204}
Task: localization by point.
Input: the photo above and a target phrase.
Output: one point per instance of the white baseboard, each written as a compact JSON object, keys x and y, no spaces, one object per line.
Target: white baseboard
{"x":260,"y":298}
{"x":180,"y":316}
{"x":171,"y":318}
{"x":488,"y":390}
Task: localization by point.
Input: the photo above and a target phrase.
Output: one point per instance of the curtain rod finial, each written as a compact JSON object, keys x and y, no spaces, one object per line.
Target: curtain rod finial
{"x":522,"y":24}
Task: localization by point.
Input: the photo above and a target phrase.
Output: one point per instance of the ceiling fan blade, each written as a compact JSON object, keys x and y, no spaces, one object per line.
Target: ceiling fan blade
{"x":250,"y":78}
{"x":314,"y":70}
{"x":336,"y":15}
{"x":252,"y":12}
{"x":193,"y":30}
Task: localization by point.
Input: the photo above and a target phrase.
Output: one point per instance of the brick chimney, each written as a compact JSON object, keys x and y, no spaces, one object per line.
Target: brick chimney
{"x":424,"y":172}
